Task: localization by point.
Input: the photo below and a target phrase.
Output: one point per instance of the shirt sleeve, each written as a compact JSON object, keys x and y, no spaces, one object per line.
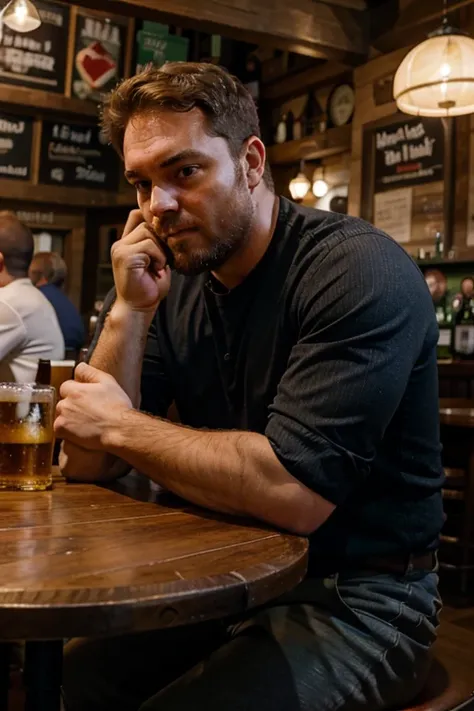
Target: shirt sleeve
{"x":364,"y":315}
{"x":12,"y":330}
{"x":156,"y":390}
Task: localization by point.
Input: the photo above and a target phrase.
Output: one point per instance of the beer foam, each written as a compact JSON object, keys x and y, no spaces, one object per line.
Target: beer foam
{"x":25,"y":393}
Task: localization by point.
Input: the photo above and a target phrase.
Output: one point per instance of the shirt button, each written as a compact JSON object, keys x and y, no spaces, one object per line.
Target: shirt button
{"x":227,"y":356}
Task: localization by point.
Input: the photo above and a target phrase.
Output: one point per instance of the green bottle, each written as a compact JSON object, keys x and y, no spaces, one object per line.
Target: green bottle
{"x":463,"y":332}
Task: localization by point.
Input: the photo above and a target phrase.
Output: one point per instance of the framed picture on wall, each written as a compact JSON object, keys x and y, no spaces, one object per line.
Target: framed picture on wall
{"x":403,"y":180}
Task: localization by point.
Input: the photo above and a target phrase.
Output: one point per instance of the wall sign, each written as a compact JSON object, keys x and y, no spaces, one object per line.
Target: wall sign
{"x":76,"y":156}
{"x":16,"y":141}
{"x":408,"y":153}
{"x":156,"y":46}
{"x":98,"y":56}
{"x":37,"y":59}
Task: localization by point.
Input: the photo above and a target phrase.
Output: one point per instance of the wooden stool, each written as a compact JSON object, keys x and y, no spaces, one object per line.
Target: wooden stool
{"x":457,"y":437}
{"x":450,"y":685}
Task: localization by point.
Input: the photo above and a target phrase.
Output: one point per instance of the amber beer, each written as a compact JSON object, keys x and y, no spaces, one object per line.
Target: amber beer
{"x":26,"y":436}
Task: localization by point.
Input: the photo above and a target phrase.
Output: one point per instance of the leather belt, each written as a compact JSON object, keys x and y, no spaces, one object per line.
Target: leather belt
{"x":398,"y":564}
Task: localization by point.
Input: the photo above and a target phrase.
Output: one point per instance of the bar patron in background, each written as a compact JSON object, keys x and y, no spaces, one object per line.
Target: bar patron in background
{"x":299,"y":347}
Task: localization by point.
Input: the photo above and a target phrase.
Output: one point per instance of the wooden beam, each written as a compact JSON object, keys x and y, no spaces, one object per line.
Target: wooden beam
{"x":296,"y":84}
{"x":303,"y":26}
{"x":351,"y":4}
{"x":321,"y":145}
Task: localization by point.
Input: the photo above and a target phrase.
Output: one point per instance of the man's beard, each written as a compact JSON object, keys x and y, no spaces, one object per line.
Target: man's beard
{"x":221,"y":247}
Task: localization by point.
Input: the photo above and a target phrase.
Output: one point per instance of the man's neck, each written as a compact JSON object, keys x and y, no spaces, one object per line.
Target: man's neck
{"x":6,"y":279}
{"x":234,"y":271}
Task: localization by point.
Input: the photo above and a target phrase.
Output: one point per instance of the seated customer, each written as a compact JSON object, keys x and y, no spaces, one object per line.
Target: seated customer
{"x":48,"y":272}
{"x":29,"y":329}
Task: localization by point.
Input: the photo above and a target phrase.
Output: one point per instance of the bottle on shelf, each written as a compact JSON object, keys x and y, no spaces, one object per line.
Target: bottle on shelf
{"x":280,"y":133}
{"x":298,"y":129}
{"x":290,"y":122}
{"x":444,"y":317}
{"x":439,"y":245}
{"x":463,"y":331}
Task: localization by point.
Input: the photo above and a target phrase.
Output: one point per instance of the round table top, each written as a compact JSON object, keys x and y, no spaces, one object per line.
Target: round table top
{"x":84,"y":560}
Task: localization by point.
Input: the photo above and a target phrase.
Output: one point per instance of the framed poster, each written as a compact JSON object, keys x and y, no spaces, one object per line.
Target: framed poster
{"x":156,"y":46}
{"x":403,"y":173}
{"x":75,"y":155}
{"x":37,"y":59}
{"x":99,"y":50}
{"x":16,"y":143}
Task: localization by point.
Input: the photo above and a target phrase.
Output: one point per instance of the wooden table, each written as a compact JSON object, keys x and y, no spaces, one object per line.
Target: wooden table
{"x":83,"y":560}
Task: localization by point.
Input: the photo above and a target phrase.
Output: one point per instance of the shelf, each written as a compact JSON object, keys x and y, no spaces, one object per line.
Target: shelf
{"x":443,"y":262}
{"x":320,"y":145}
{"x":29,"y":100}
{"x":62,"y":195}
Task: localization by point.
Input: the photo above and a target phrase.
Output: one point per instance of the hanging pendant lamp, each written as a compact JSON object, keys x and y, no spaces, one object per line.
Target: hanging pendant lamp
{"x":436,"y":78}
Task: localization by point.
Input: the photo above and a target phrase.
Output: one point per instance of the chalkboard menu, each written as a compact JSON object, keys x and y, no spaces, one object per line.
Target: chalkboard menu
{"x":98,"y":56}
{"x":408,"y":153}
{"x":75,"y":155}
{"x":16,"y":140}
{"x":37,"y":59}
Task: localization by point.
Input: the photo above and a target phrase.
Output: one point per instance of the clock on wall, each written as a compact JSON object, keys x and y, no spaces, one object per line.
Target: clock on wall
{"x":341,"y":104}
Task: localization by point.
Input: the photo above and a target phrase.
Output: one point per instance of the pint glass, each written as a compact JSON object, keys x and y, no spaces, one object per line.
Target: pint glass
{"x":26,"y":436}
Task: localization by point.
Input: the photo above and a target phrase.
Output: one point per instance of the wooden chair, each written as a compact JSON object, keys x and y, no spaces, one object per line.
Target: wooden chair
{"x":457,"y":437}
{"x":450,"y":685}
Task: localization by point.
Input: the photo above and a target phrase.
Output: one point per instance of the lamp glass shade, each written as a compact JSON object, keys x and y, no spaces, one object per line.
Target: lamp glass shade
{"x":21,"y":16}
{"x":299,"y":187}
{"x":320,"y":188}
{"x":436,"y":78}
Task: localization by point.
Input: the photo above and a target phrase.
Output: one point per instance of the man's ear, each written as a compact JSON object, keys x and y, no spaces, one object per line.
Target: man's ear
{"x":255,"y":157}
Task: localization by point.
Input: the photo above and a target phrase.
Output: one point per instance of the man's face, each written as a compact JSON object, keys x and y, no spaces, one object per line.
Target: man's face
{"x":189,"y":188}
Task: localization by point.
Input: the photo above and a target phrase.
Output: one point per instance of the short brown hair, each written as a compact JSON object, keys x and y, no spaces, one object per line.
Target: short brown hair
{"x":51,"y":266}
{"x":183,"y":86}
{"x":16,"y":244}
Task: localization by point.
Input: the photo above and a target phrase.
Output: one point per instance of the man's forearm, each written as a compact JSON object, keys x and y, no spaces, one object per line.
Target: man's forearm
{"x":231,"y":472}
{"x":121,"y":346}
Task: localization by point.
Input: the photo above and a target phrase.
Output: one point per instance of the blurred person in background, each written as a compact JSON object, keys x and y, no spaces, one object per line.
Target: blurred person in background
{"x":48,"y":273}
{"x":29,"y":328}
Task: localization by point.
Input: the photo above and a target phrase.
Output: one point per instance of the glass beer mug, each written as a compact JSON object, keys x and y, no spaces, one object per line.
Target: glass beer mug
{"x":26,"y":436}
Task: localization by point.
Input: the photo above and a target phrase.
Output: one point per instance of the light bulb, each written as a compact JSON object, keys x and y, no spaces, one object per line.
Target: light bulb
{"x":320,"y":188}
{"x":21,"y":12}
{"x":299,"y":186}
{"x":445,"y":70}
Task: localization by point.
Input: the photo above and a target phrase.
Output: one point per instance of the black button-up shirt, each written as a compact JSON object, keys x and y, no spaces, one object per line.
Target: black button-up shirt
{"x":328,"y":348}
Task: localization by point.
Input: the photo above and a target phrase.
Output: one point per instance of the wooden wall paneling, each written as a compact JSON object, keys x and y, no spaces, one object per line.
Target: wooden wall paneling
{"x":70,"y":50}
{"x":311,"y":28}
{"x":74,"y":257}
{"x":35,"y":153}
{"x":19,"y":96}
{"x":57,"y":195}
{"x":462,"y":177}
{"x":129,"y":47}
{"x":298,"y":83}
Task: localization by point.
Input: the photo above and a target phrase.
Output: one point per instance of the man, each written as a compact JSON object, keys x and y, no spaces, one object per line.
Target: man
{"x":29,"y":329}
{"x":299,"y":348}
{"x":48,"y":273}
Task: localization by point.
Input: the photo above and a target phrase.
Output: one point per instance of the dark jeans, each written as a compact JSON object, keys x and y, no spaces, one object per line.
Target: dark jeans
{"x":347,"y":642}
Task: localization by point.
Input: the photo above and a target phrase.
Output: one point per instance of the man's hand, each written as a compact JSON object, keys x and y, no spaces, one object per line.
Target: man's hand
{"x":142,"y":277}
{"x":91,"y":405}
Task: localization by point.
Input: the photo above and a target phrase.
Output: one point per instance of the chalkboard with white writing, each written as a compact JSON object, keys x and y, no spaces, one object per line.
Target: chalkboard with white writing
{"x":16,"y":139}
{"x":37,"y":59}
{"x":407,"y":153}
{"x":75,"y":155}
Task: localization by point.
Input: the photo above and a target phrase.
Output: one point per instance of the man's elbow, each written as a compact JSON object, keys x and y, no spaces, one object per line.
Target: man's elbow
{"x":304,"y":514}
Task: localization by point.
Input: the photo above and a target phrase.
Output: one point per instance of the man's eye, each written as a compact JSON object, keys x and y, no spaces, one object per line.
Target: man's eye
{"x":188,"y":171}
{"x":142,"y":186}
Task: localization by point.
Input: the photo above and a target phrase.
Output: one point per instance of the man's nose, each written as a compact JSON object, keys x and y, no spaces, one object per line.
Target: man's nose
{"x":162,"y":201}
